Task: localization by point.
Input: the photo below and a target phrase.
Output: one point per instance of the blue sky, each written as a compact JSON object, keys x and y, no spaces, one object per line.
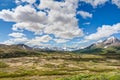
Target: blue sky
{"x":72,"y":23}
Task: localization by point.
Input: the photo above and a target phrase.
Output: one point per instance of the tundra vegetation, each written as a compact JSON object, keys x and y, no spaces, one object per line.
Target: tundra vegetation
{"x":59,"y":66}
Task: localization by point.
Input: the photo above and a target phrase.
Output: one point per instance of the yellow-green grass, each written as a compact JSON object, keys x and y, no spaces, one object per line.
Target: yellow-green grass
{"x":59,"y":65}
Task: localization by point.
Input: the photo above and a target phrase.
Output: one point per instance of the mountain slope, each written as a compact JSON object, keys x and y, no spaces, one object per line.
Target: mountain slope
{"x":14,"y":47}
{"x":17,"y":50}
{"x":110,"y":42}
{"x":108,"y":46}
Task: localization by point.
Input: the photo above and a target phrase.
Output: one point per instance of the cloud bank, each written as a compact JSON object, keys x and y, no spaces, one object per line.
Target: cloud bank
{"x":104,"y":31}
{"x":53,"y":20}
{"x":50,"y":17}
{"x":60,"y":21}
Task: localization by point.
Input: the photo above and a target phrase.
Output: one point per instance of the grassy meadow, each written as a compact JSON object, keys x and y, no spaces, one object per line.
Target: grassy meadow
{"x":61,"y":66}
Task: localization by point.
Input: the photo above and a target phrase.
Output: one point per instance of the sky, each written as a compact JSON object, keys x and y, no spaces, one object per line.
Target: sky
{"x":58,"y":23}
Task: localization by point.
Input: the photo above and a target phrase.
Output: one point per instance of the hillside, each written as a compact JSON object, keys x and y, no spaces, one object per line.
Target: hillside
{"x":108,"y":46}
{"x":17,"y":50}
{"x":110,"y":42}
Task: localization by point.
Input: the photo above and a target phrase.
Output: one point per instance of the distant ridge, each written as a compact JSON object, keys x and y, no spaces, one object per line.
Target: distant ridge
{"x":109,"y":46}
{"x":15,"y":46}
{"x":112,"y":44}
{"x":109,"y":42}
{"x":24,"y":46}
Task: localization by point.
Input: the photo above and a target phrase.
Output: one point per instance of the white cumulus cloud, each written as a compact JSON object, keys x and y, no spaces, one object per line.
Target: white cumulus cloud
{"x":95,"y":3}
{"x":29,"y":1}
{"x":104,"y":31}
{"x":15,"y":40}
{"x":57,"y":18}
{"x":85,"y":14}
{"x":38,"y":40}
{"x":16,"y":35}
{"x":116,"y":2}
{"x":61,"y":40}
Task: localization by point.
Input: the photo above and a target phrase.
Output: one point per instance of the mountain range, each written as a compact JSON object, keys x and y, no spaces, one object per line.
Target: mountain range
{"x":110,"y":45}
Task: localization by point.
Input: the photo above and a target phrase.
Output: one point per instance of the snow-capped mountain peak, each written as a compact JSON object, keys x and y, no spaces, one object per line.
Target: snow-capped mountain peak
{"x":111,"y":38}
{"x":111,"y":41}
